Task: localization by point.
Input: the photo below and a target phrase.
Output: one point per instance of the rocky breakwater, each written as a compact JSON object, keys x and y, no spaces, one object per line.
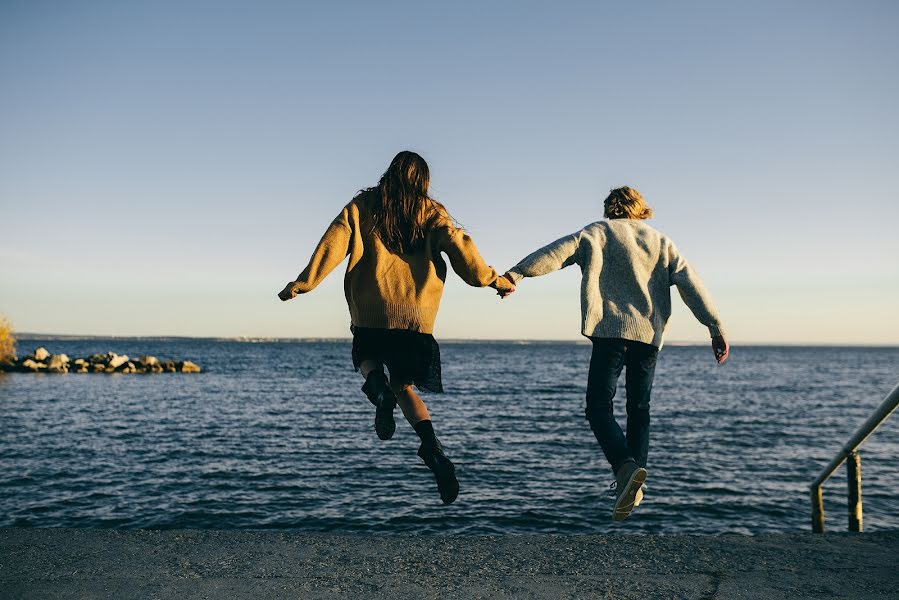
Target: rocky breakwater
{"x":41,"y":361}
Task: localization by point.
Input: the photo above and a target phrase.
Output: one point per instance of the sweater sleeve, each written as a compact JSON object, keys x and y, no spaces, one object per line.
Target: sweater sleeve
{"x":330,"y":252}
{"x":466,"y":259}
{"x":693,"y":292}
{"x":552,"y":257}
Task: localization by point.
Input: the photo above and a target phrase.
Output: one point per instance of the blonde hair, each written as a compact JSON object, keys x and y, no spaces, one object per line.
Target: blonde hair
{"x":626,"y":203}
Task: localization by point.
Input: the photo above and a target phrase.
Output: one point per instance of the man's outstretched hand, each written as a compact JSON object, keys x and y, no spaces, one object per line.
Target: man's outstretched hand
{"x":721,"y":348}
{"x":291,"y":290}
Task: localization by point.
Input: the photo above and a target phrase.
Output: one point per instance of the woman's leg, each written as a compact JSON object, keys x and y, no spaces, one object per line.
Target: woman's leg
{"x":377,"y":389}
{"x":431,"y":450}
{"x":411,"y":404}
{"x":367,"y":366}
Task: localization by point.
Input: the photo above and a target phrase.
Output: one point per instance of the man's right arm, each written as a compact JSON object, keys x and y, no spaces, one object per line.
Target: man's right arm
{"x":559,"y":254}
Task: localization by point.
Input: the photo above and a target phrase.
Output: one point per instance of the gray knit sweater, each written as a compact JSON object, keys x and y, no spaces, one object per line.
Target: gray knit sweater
{"x":628,"y":269}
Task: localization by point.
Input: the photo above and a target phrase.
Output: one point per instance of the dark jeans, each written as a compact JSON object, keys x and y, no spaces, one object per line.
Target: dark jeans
{"x":610,"y":357}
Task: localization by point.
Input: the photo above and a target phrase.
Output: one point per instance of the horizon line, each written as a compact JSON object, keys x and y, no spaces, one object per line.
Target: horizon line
{"x":324,"y":339}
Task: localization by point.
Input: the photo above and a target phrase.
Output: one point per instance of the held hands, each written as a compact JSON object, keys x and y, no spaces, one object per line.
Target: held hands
{"x":290,"y":291}
{"x":721,"y":348}
{"x":504,"y":286}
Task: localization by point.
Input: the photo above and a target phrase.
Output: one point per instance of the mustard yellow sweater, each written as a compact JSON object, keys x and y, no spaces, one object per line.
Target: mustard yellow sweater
{"x":394,"y":291}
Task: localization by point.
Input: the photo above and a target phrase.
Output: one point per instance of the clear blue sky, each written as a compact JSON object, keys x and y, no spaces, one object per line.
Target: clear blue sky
{"x":166,"y":167}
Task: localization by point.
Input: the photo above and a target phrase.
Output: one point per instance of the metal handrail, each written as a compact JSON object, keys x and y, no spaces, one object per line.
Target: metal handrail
{"x":849,"y":452}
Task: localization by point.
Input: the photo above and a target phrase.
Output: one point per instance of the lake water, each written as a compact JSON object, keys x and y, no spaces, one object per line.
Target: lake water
{"x":278,"y":435}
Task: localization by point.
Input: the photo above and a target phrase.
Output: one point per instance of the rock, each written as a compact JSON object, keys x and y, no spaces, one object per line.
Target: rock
{"x":188,"y":367}
{"x":29,"y":365}
{"x":99,"y":363}
{"x":148,"y":361}
{"x":114,"y":360}
{"x":58,"y":363}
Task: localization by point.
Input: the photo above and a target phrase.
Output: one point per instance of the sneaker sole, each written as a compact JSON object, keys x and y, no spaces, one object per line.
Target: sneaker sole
{"x":625,"y":502}
{"x":638,"y":497}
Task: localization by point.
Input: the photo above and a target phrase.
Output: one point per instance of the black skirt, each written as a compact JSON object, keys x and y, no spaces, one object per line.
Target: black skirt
{"x":410,"y":356}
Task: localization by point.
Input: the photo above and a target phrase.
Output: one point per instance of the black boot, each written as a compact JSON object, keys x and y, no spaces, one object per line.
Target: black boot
{"x":431,"y":451}
{"x":377,"y":389}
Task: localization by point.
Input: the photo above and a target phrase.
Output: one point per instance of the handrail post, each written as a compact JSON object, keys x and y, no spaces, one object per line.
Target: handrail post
{"x":854,"y":472}
{"x":817,"y":510}
{"x":849,"y":454}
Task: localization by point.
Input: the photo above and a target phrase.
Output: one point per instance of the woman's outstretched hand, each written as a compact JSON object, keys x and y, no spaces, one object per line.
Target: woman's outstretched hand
{"x":504,"y":286}
{"x":721,"y":348}
{"x":290,"y":291}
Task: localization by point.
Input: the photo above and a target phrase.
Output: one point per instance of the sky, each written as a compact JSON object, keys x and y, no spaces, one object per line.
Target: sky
{"x":167,"y":167}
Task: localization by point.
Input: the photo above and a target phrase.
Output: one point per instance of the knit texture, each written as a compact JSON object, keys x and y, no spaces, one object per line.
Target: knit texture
{"x":394,"y":291}
{"x":628,"y":269}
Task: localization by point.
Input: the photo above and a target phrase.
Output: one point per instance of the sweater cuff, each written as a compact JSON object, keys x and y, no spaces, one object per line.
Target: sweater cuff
{"x":715,"y":330}
{"x":515,"y":275}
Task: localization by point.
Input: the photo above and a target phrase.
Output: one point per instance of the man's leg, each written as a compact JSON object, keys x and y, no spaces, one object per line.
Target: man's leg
{"x":606,"y":364}
{"x":641,"y":367}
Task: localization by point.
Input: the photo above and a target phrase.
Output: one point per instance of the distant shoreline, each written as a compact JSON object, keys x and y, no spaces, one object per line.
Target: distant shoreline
{"x":329,"y":340}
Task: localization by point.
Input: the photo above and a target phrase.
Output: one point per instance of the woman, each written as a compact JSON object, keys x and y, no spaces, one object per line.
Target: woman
{"x":628,"y":268}
{"x":394,"y":234}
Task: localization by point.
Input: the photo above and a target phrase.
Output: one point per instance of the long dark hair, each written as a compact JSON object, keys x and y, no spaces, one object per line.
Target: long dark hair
{"x":404,"y":212}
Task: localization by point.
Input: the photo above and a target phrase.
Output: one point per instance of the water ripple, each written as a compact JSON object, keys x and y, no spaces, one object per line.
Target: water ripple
{"x":278,"y":436}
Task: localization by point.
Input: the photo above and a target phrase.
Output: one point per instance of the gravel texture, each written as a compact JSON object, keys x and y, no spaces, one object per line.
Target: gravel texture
{"x":186,"y":564}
